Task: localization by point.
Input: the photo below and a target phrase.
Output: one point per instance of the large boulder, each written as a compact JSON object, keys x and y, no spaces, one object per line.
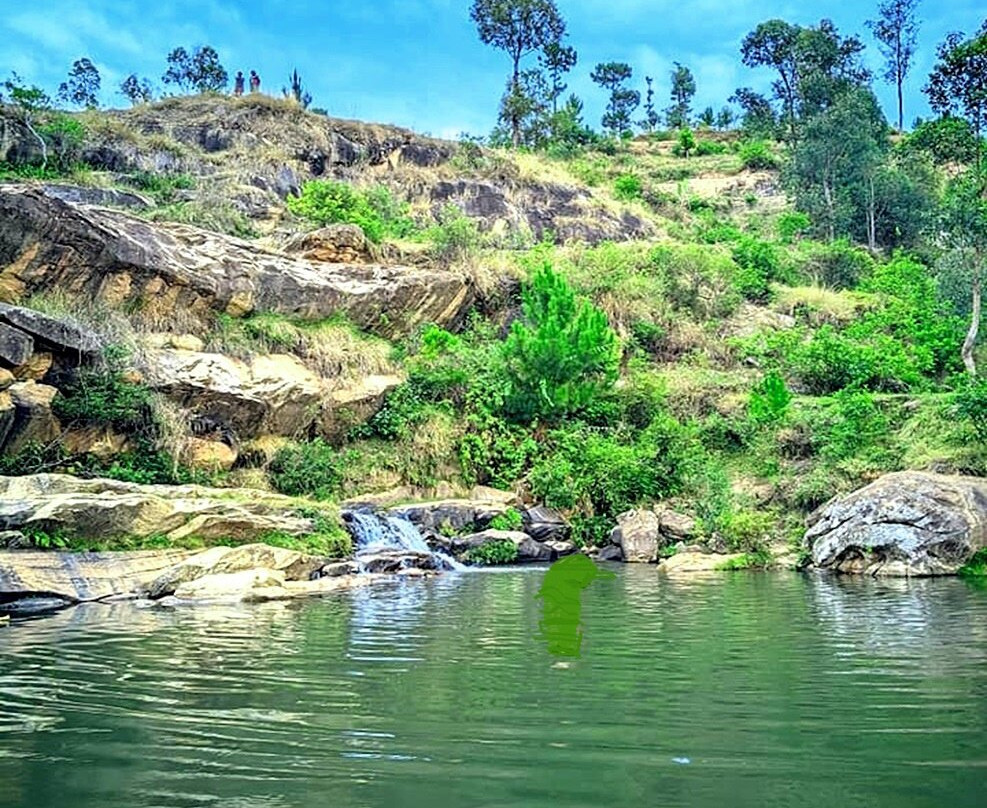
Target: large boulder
{"x":34,"y":421}
{"x":905,"y":524}
{"x":638,"y":533}
{"x":335,"y":244}
{"x":55,"y":333}
{"x":16,"y":347}
{"x":176,"y":273}
{"x":224,"y":561}
{"x":101,"y":509}
{"x":451,"y":516}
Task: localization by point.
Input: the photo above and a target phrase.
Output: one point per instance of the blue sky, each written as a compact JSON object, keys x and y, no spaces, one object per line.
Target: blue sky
{"x":418,"y":63}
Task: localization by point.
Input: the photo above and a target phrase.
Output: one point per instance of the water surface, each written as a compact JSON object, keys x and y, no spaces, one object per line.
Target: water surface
{"x":760,"y":690}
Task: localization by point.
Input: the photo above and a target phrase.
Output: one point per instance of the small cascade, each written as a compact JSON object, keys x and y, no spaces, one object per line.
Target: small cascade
{"x":381,"y":533}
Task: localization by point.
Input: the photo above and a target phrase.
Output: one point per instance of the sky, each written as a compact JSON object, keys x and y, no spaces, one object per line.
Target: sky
{"x":419,"y":63}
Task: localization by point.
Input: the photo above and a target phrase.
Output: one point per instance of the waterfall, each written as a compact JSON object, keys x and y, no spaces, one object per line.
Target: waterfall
{"x":381,"y":533}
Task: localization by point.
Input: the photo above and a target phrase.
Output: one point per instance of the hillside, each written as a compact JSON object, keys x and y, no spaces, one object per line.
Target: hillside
{"x":233,"y":342}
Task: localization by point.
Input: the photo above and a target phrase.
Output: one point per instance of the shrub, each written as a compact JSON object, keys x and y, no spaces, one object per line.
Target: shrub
{"x":163,"y":187}
{"x":759,"y":265}
{"x":698,"y":279}
{"x":769,"y":400}
{"x":375,"y":211}
{"x":455,"y":236}
{"x":839,"y":264}
{"x":492,"y":554}
{"x":312,"y":469}
{"x":947,"y":140}
{"x":756,"y":155}
{"x":627,"y":188}
{"x":854,"y":423}
{"x":705,"y":148}
{"x":686,"y":143}
{"x":830,"y":361}
{"x":560,"y":355}
{"x":509,"y":520}
{"x":971,"y":405}
{"x":792,"y":226}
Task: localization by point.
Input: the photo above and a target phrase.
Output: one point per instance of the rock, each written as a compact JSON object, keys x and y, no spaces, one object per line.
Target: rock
{"x":612,"y":552}
{"x":186,"y":342}
{"x":561,"y":548}
{"x":16,"y":347}
{"x":100,"y":442}
{"x":107,"y":508}
{"x":692,"y":563}
{"x":545,"y":524}
{"x":355,"y":404}
{"x":338,"y":569}
{"x":906,"y":524}
{"x":14,"y":540}
{"x":34,"y":421}
{"x":637,"y":533}
{"x":229,"y":586}
{"x":61,"y":335}
{"x":223,"y":561}
{"x":35,"y":368}
{"x":454,"y":515}
{"x":111,"y":197}
{"x":484,"y":493}
{"x":677,"y":526}
{"x":172,"y":271}
{"x":530,"y":550}
{"x":269,"y":395}
{"x":6,"y":379}
{"x":335,"y":244}
{"x":8,"y":415}
{"x":208,"y":455}
{"x":390,"y":563}
{"x":463,"y":544}
{"x":79,"y":577}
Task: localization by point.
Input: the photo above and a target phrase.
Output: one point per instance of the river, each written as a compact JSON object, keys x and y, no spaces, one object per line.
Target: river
{"x":737,"y":690}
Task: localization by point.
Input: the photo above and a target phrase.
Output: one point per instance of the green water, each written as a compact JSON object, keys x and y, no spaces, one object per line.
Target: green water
{"x":744,"y":690}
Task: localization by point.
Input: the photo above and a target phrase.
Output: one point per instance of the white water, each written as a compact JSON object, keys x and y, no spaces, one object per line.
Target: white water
{"x":376,"y":533}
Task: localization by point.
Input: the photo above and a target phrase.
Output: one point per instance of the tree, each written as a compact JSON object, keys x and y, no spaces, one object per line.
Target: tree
{"x":840,"y":152}
{"x":612,"y":76}
{"x":556,"y":60}
{"x":650,"y":122}
{"x":137,"y":90}
{"x":82,"y":87}
{"x":725,"y":118}
{"x":683,"y":89}
{"x":560,"y":355}
{"x":896,"y":30}
{"x":200,"y":71}
{"x":524,"y":109}
{"x":773,"y":44}
{"x":958,"y":81}
{"x":757,"y":116}
{"x":518,"y":27}
{"x":964,"y":224}
{"x":296,"y":90}
{"x":707,"y":117}
{"x":29,"y":101}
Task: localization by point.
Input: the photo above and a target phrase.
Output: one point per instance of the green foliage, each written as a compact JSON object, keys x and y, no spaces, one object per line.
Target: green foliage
{"x":971,"y":405}
{"x":560,"y":356}
{"x":706,"y":148}
{"x":770,"y":400}
{"x":838,"y":264}
{"x":748,"y":561}
{"x":947,"y":140}
{"x":854,"y":423}
{"x":792,"y":225}
{"x":759,"y":265}
{"x":82,"y":86}
{"x":686,"y":143}
{"x":509,"y":520}
{"x":163,"y":188}
{"x":613,"y":76}
{"x":375,"y":211}
{"x":310,"y":469}
{"x":976,"y":567}
{"x":201,"y":71}
{"x":697,"y":279}
{"x":756,"y":155}
{"x":455,"y":236}
{"x":627,"y":187}
{"x":492,"y":554}
{"x":219,"y":216}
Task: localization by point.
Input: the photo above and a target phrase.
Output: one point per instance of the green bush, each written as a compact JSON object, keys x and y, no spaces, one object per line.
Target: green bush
{"x":976,"y":567}
{"x":830,"y":361}
{"x":312,"y":469}
{"x":375,"y":210}
{"x":627,"y":188}
{"x":792,"y":226}
{"x":838,"y":264}
{"x":769,"y":400}
{"x":163,"y":187}
{"x":492,"y":554}
{"x":947,"y":140}
{"x":756,"y":155}
{"x":509,"y":520}
{"x":759,"y":265}
{"x":560,"y":355}
{"x":698,"y":279}
{"x":455,"y":236}
{"x":854,"y":423}
{"x":102,"y":396}
{"x":971,"y":405}
{"x":705,"y":148}
{"x":686,"y":143}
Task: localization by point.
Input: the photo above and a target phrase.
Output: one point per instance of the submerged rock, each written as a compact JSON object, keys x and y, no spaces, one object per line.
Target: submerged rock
{"x":905,"y":524}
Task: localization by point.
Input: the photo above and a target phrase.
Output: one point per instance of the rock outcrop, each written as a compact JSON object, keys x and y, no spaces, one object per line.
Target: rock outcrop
{"x":180,"y":274}
{"x":101,"y":509}
{"x":906,"y":524}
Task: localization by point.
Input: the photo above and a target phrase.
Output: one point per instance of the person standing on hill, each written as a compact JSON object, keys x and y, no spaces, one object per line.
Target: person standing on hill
{"x":254,"y":82}
{"x":238,"y":83}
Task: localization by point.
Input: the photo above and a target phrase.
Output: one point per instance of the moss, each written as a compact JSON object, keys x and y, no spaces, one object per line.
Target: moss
{"x":976,"y":567}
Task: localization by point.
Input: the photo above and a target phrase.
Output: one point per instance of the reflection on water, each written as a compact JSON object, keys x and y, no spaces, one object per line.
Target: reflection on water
{"x":779,"y":690}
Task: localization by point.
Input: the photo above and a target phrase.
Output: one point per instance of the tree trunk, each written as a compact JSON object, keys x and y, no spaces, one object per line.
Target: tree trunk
{"x":871,"y":218}
{"x":41,"y":140}
{"x":901,"y":106}
{"x":831,"y":206}
{"x":515,"y":91}
{"x":971,"y":338}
